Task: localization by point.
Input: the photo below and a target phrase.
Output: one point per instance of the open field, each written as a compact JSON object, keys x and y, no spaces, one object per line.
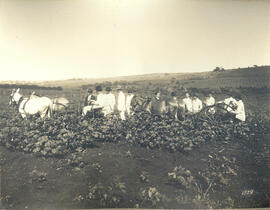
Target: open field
{"x":145,"y":162}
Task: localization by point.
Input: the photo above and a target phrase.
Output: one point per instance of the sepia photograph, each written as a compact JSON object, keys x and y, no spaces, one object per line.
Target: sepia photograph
{"x":134,"y":104}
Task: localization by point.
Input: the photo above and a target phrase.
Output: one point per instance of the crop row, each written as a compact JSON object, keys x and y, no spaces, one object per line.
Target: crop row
{"x":70,"y":132}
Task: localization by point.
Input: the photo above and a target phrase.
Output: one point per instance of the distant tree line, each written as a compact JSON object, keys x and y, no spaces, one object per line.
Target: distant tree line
{"x":180,"y":85}
{"x":23,"y":86}
{"x":219,"y":69}
{"x":254,"y":67}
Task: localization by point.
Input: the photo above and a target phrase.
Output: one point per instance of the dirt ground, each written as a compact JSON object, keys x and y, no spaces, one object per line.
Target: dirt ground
{"x":31,"y":182}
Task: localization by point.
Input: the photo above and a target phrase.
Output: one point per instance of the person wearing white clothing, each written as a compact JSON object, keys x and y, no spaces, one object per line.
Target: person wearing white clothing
{"x":188,"y":103}
{"x":108,"y":102}
{"x":240,"y":111}
{"x":210,"y":101}
{"x":128,"y":102}
{"x":100,"y":99}
{"x":100,"y":96}
{"x":196,"y":104}
{"x":237,"y":108}
{"x":230,"y":104}
{"x":95,"y":102}
{"x":121,"y":103}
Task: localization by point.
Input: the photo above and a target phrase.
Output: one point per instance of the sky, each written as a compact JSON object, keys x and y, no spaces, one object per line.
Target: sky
{"x":63,"y":39}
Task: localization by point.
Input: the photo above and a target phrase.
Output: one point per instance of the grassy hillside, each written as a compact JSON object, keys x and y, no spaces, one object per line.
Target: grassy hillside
{"x":254,"y":77}
{"x":258,"y":77}
{"x":242,"y":77}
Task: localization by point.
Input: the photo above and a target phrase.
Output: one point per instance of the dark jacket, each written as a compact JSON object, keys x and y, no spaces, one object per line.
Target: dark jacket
{"x":156,"y":106}
{"x":89,"y":100}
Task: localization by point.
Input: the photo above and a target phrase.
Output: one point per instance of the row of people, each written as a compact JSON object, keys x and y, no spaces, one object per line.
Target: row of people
{"x":190,"y":104}
{"x":108,"y":101}
{"x":232,"y":105}
{"x":193,"y":105}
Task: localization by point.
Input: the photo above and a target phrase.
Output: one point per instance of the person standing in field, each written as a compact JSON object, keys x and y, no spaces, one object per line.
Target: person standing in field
{"x":156,"y":105}
{"x":188,"y":103}
{"x":129,"y":98}
{"x":236,"y":107}
{"x":100,"y":96}
{"x":210,"y":101}
{"x":90,"y":98}
{"x":240,"y":109}
{"x":108,"y":102}
{"x":173,"y":106}
{"x":196,"y":104}
{"x":121,"y":103}
{"x":230,"y":104}
{"x":90,"y":103}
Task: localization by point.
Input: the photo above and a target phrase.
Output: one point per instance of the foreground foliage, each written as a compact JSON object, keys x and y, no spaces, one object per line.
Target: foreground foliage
{"x":66,"y":133}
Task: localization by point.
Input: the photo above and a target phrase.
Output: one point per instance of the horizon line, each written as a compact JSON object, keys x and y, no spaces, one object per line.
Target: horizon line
{"x":132,"y":75}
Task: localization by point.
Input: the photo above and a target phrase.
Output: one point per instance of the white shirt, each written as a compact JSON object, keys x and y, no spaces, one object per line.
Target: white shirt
{"x":100,"y":99}
{"x":209,"y":101}
{"x":188,"y":104}
{"x":231,"y":102}
{"x":121,"y":106}
{"x":240,"y":111}
{"x":109,"y":101}
{"x":196,"y":105}
{"x":128,"y":101}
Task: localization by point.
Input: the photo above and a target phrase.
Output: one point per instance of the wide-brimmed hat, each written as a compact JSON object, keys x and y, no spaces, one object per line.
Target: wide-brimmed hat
{"x":98,"y":88}
{"x":108,"y":89}
{"x":173,"y":93}
{"x":131,"y":90}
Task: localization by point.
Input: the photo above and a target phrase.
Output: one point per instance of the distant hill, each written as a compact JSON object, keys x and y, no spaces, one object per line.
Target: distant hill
{"x":73,"y":83}
{"x":256,"y":76}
